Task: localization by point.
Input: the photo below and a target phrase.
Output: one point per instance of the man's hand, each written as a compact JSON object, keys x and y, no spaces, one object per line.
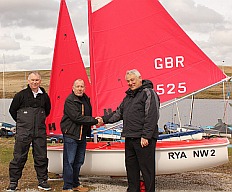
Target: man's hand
{"x":100,"y":121}
{"x":144,"y":142}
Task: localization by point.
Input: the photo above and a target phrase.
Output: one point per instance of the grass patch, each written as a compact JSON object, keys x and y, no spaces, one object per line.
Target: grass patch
{"x":28,"y":182}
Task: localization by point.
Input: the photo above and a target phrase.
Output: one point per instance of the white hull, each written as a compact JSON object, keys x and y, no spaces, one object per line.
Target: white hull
{"x":171,"y":157}
{"x":108,"y":136}
{"x":197,"y":136}
{"x":180,"y":135}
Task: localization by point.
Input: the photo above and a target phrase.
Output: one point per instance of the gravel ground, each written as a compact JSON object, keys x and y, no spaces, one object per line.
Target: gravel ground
{"x":201,"y":181}
{"x":192,"y":182}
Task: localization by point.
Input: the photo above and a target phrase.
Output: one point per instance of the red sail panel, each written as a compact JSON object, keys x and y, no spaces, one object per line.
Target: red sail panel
{"x":67,"y":66}
{"x":135,"y":34}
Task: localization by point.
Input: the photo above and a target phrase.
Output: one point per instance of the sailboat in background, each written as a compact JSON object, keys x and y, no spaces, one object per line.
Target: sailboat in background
{"x":6,"y":129}
{"x":67,"y":66}
{"x":140,"y":34}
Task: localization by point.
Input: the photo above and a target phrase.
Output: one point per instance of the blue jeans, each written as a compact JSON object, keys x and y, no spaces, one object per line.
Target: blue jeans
{"x":73,"y":159}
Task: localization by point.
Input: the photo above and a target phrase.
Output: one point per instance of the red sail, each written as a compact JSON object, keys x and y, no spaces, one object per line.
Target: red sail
{"x":66,"y":67}
{"x":140,"y":34}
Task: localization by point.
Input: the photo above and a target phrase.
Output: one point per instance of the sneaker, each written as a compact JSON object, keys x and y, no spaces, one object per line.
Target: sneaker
{"x":12,"y":186}
{"x":44,"y":185}
{"x":81,"y":188}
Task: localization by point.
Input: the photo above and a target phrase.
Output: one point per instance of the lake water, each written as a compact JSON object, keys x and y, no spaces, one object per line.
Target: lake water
{"x":206,"y":112}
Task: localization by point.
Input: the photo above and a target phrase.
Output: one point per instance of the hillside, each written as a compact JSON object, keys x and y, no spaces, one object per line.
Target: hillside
{"x":15,"y":81}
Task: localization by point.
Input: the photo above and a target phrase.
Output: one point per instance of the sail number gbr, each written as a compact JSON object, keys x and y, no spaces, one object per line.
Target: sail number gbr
{"x":171,"y":88}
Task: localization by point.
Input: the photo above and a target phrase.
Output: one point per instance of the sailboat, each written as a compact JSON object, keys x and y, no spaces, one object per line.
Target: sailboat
{"x":139,"y":34}
{"x":67,"y":66}
{"x":6,"y":129}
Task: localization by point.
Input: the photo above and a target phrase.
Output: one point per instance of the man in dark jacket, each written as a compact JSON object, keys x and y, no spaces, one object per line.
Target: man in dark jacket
{"x":75,"y":125}
{"x":139,"y":111}
{"x":29,"y":109}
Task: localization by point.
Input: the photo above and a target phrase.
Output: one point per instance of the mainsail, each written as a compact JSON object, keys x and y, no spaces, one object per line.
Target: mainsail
{"x":66,"y":67}
{"x":141,"y":34}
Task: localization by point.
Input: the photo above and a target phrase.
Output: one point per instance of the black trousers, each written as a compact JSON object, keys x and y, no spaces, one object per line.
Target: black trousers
{"x":21,"y":150}
{"x":30,"y":129}
{"x":140,"y":160}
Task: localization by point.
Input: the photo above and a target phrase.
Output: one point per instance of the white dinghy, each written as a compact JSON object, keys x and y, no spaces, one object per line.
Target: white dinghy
{"x":104,"y":158}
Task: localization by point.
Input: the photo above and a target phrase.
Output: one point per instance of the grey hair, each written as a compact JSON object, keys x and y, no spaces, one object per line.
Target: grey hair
{"x":78,"y":80}
{"x":35,"y":73}
{"x":133,"y":71}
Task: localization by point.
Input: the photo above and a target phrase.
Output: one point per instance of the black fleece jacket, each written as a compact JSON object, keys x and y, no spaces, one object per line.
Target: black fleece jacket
{"x":139,"y":111}
{"x":75,"y":124}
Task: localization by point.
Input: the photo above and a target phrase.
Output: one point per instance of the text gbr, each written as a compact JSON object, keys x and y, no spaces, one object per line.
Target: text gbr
{"x":169,"y":63}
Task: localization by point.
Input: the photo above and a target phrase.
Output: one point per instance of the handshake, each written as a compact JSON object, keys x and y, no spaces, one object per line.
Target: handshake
{"x":100,"y":121}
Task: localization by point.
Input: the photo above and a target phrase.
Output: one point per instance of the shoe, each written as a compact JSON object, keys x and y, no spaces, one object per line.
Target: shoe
{"x":12,"y":186}
{"x":44,"y":185}
{"x":81,"y":188}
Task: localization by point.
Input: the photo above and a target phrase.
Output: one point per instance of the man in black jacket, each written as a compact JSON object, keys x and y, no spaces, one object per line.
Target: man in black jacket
{"x":75,"y":125}
{"x":29,"y":109}
{"x":139,"y":111}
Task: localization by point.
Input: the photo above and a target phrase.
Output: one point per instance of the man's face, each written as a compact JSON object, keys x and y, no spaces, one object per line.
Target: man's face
{"x":133,"y":81}
{"x":34,"y":82}
{"x":79,"y":88}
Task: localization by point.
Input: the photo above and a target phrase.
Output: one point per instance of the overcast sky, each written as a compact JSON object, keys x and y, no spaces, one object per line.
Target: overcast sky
{"x":28,"y":29}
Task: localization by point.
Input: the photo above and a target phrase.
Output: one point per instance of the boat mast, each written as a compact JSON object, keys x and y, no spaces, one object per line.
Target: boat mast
{"x":3,"y":89}
{"x":226,"y":100}
{"x":179,"y":118}
{"x":191,"y":111}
